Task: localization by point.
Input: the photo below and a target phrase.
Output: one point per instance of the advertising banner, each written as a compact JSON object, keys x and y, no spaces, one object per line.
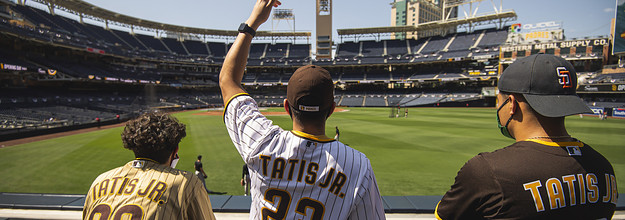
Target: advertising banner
{"x":619,"y":88}
{"x":597,"y":110}
{"x":555,"y":45}
{"x":618,"y":112}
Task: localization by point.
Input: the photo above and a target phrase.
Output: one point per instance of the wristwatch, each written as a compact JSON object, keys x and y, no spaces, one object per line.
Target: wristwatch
{"x":244,"y":28}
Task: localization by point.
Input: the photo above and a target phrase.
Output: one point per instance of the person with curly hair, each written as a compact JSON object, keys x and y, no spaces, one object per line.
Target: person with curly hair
{"x":149,"y":187}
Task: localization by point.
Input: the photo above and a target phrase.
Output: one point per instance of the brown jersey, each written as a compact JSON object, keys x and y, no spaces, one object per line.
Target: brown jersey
{"x":143,"y":189}
{"x":533,"y":180}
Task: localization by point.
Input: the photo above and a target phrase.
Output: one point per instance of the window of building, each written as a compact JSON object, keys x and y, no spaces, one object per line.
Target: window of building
{"x":597,"y":49}
{"x":565,"y":51}
{"x":321,"y":38}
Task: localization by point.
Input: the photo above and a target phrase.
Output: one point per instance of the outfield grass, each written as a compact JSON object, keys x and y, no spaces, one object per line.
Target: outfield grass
{"x":418,"y":155}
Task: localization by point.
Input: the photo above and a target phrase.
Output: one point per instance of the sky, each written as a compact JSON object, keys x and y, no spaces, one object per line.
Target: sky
{"x":580,"y":18}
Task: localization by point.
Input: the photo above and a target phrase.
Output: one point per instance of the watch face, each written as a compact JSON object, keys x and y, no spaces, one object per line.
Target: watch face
{"x":243,"y":28}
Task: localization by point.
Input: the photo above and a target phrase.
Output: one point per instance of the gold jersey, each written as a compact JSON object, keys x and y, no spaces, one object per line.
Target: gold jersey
{"x":144,"y":189}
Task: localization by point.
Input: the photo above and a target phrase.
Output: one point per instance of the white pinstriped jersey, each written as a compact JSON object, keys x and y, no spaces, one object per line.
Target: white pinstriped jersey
{"x":144,"y":189}
{"x":300,"y":176}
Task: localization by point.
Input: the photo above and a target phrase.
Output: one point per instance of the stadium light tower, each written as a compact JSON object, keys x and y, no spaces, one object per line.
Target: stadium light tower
{"x":283,"y":14}
{"x":324,"y":29}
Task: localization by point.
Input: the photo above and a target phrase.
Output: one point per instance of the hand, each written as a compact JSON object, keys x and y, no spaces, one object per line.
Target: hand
{"x":242,"y":182}
{"x":205,"y":176}
{"x":261,"y":12}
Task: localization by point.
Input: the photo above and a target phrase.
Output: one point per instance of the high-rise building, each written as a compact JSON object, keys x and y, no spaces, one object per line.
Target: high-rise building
{"x":415,"y":12}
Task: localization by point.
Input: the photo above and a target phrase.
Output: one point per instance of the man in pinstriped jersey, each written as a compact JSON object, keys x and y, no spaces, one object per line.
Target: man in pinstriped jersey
{"x":149,"y":187}
{"x":298,"y":174}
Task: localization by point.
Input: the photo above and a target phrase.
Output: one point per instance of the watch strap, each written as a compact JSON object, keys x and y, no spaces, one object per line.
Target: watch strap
{"x":244,"y":28}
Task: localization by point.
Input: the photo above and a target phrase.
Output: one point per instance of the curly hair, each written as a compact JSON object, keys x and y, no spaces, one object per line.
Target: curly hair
{"x":153,"y":135}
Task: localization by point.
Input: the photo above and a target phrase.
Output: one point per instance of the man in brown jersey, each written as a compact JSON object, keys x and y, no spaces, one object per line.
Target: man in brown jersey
{"x":149,"y":187}
{"x":546,"y":173}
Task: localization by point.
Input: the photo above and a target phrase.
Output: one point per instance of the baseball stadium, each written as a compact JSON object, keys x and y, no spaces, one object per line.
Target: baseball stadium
{"x":418,"y":97}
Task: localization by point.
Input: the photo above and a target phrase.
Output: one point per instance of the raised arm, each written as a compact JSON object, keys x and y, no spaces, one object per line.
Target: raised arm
{"x":234,"y":65}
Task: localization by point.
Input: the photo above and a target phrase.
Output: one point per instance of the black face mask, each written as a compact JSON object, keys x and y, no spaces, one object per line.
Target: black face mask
{"x":504,"y":128}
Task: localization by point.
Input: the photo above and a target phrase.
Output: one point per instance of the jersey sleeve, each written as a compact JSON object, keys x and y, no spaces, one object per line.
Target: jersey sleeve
{"x":247,"y":127}
{"x":368,"y":202}
{"x":199,"y":205}
{"x":476,"y":194}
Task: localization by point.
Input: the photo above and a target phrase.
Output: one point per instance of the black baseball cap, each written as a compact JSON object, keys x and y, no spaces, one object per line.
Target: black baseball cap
{"x":547,"y":82}
{"x":310,"y":89}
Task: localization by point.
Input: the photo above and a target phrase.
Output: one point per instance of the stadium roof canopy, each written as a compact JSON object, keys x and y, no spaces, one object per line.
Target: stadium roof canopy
{"x":501,"y":17}
{"x":85,"y":9}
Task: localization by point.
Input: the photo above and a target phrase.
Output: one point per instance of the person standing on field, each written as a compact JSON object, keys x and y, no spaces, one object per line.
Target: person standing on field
{"x":245,"y":180}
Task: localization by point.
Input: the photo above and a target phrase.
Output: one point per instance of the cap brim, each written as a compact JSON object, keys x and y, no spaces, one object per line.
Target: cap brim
{"x":557,"y":105}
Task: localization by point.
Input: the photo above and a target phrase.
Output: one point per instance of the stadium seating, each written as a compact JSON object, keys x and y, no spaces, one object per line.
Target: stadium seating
{"x":151,"y":42}
{"x":268,"y":78}
{"x":352,"y":77}
{"x":45,"y":108}
{"x":371,"y":60}
{"x":423,"y":76}
{"x":425,"y":99}
{"x":323,"y":62}
{"x":175,"y":46}
{"x":300,"y":51}
{"x":68,"y":31}
{"x":463,"y":41}
{"x":394,"y":99}
{"x":493,"y":38}
{"x":396,"y":47}
{"x":130,"y":40}
{"x":348,"y":50}
{"x":460,"y":54}
{"x":459,"y":97}
{"x":196,"y":47}
{"x":352,"y":100}
{"x":378,"y":76}
{"x":375,"y":100}
{"x":434,"y":44}
{"x":277,"y":50}
{"x":249,"y":78}
{"x":372,"y":48}
{"x":417,"y":45}
{"x":257,"y":51}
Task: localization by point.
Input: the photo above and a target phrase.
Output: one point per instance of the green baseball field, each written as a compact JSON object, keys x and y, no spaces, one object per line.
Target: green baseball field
{"x":417,"y":155}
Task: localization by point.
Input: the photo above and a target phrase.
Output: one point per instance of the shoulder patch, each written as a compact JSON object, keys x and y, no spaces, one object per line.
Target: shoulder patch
{"x":138,"y":164}
{"x":574,"y":151}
